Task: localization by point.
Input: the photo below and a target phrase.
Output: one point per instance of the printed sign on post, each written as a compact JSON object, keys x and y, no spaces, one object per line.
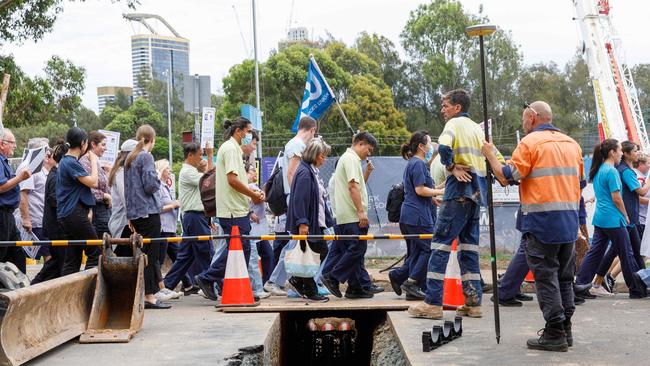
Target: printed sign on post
{"x":207,"y":127}
{"x":112,"y":146}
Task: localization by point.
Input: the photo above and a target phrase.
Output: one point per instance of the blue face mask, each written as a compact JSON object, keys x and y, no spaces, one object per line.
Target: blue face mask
{"x":429,"y":154}
{"x":247,"y":139}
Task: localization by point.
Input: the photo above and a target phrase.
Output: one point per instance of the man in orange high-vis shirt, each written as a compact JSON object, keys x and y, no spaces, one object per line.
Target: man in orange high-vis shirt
{"x":548,"y":166}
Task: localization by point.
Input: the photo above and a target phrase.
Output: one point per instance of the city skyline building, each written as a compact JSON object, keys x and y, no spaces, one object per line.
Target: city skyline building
{"x":108,"y":94}
{"x":152,"y":54}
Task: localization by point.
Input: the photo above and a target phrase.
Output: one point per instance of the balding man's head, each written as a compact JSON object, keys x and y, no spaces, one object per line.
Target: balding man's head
{"x":535,"y":114}
{"x":8,"y":143}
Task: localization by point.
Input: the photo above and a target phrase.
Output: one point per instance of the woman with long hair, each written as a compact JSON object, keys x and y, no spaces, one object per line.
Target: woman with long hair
{"x":143,"y":206}
{"x":232,"y":199}
{"x":416,"y":216}
{"x":308,"y":212}
{"x":610,"y":221}
{"x":74,"y":199}
{"x":118,"y":225}
{"x":631,"y":193}
{"x":102,"y":194}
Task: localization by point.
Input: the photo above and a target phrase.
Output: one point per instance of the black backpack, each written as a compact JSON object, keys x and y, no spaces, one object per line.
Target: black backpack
{"x":394,"y":202}
{"x":274,"y":191}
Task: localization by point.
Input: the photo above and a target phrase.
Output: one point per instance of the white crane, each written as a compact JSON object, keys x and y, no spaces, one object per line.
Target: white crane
{"x":617,"y":103}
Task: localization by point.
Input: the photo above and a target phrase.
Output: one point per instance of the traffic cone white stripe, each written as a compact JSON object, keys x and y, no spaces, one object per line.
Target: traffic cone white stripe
{"x":234,"y":269}
{"x":453,"y":267}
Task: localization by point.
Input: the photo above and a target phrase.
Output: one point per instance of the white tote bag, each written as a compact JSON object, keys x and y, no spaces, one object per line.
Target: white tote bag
{"x":299,"y":263}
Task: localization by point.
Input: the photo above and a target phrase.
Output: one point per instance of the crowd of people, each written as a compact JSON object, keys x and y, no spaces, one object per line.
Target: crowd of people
{"x":75,"y":196}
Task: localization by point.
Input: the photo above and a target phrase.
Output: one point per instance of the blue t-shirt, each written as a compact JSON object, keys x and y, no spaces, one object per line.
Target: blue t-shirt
{"x":69,"y":191}
{"x":607,"y":181}
{"x":10,"y":198}
{"x":416,"y":210}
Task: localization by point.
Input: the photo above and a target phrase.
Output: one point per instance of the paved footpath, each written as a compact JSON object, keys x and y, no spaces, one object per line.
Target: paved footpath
{"x":606,"y":332}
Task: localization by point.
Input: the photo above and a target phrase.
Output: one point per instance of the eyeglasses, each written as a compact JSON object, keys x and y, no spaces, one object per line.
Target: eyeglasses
{"x":9,"y":141}
{"x":527,"y":106}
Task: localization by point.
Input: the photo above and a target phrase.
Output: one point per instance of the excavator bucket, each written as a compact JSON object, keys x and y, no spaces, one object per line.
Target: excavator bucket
{"x":35,"y":319}
{"x":118,"y":305}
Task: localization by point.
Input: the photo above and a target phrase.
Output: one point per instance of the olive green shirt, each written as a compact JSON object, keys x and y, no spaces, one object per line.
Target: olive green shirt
{"x":348,"y":170}
{"x":230,"y":203}
{"x":188,"y":188}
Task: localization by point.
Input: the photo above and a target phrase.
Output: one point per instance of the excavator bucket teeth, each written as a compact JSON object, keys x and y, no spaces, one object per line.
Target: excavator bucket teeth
{"x":35,"y":319}
{"x":118,"y":304}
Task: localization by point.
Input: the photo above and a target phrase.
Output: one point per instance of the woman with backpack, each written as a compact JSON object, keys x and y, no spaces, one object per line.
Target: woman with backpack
{"x":416,"y":216}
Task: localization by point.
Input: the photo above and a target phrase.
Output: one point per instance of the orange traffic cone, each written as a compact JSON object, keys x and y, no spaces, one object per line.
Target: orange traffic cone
{"x":529,"y":277}
{"x":236,"y":284}
{"x":453,"y":286}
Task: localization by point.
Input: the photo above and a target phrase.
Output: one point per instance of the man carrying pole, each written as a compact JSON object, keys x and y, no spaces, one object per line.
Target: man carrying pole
{"x":548,"y":165}
{"x":458,"y":217}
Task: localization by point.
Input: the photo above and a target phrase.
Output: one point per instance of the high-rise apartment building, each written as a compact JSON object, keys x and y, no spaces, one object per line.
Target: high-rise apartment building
{"x":153,"y":54}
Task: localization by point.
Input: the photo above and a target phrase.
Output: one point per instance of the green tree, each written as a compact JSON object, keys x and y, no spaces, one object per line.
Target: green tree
{"x":21,"y":20}
{"x":67,"y":82}
{"x":641,"y":74}
{"x":140,"y":113}
{"x":87,"y":119}
{"x":122,"y":101}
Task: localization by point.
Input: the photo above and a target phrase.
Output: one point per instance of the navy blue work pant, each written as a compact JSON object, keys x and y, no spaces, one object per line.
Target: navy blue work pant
{"x":418,"y":252}
{"x":265,"y":251}
{"x":511,"y":281}
{"x":457,"y":218}
{"x":620,"y":239}
{"x":553,"y":266}
{"x":344,"y":261}
{"x":191,"y":252}
{"x":217,"y":269}
{"x":612,"y":252}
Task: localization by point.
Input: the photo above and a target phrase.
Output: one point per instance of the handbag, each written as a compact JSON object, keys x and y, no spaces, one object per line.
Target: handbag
{"x":301,"y":263}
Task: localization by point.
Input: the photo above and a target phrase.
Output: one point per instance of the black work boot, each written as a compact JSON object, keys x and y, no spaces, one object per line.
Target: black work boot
{"x":567,"y":332}
{"x":552,"y":338}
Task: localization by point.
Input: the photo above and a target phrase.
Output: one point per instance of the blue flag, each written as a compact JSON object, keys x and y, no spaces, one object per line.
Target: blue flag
{"x":318,"y":96}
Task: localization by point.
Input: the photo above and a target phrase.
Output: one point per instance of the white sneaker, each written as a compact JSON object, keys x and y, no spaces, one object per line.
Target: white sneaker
{"x":200,"y":293}
{"x":600,"y":291}
{"x":262,"y":294}
{"x":160,"y":295}
{"x":274,"y":289}
{"x":174,"y":295}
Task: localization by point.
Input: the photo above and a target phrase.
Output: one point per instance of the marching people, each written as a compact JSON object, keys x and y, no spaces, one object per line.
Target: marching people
{"x":51,"y":229}
{"x":344,"y":262}
{"x":289,"y":162}
{"x":417,"y":216}
{"x":611,"y":220}
{"x":74,"y":200}
{"x":143,"y":206}
{"x":168,"y":217}
{"x":191,"y":253}
{"x":102,"y":194}
{"x":459,"y":148}
{"x":631,"y":193}
{"x":9,"y":201}
{"x":544,"y":158}
{"x":308,"y":213}
{"x":232,"y":197}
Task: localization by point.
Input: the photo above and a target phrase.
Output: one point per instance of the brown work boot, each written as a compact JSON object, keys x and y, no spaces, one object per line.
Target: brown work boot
{"x":470,"y":311}
{"x":424,"y":310}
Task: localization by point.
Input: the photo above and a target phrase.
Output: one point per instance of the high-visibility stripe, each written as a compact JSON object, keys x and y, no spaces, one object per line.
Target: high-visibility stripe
{"x":268,"y":237}
{"x":553,"y":171}
{"x":436,"y":276}
{"x":550,"y":206}
{"x":441,"y":247}
{"x":471,"y":277}
{"x":468,"y":247}
{"x":515,"y":173}
{"x":468,"y":150}
{"x":236,"y":265}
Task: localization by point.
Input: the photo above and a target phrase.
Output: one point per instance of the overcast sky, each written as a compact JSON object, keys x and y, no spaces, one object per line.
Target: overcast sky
{"x":93,"y":34}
